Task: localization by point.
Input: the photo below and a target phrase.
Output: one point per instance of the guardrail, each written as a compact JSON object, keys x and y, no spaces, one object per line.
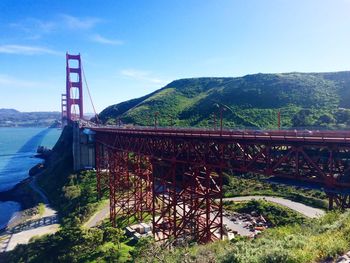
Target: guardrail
{"x":287,"y":135}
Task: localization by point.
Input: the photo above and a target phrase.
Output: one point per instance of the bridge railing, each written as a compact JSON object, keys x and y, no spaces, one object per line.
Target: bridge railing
{"x":306,"y":135}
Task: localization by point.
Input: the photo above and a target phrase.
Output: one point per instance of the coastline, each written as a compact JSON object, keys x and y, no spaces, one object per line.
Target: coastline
{"x":25,"y":194}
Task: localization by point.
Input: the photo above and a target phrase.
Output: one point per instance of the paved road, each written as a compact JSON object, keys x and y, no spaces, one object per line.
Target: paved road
{"x":36,"y":226}
{"x":307,"y":211}
{"x":98,"y":217}
{"x":23,"y":237}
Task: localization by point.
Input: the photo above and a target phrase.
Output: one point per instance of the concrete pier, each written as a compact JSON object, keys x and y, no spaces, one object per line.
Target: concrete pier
{"x":83,"y":148}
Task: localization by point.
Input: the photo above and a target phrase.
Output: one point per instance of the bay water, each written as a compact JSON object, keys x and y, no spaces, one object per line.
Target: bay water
{"x":17,"y":149}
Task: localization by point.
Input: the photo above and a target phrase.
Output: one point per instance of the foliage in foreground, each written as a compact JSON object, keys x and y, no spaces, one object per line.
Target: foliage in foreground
{"x":74,"y":243}
{"x":313,"y":241}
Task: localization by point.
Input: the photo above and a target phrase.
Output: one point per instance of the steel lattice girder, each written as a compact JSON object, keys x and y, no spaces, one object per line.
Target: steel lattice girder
{"x":339,"y":200}
{"x":188,"y":202}
{"x":316,"y":162}
{"x":130,"y":185}
{"x":101,"y":163}
{"x":324,"y":163}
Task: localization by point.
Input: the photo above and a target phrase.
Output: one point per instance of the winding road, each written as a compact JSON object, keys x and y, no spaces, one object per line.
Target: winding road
{"x":98,"y":217}
{"x":305,"y":210}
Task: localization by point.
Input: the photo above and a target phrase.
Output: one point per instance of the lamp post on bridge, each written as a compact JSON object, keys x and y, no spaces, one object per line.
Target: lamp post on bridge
{"x":279,"y":117}
{"x":222,"y":108}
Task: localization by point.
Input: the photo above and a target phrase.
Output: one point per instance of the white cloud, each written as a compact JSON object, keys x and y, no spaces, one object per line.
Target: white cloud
{"x":102,"y":40}
{"x":143,"y":75}
{"x":11,"y":82}
{"x":27,"y":50}
{"x":73,"y":22}
{"x":34,"y":26}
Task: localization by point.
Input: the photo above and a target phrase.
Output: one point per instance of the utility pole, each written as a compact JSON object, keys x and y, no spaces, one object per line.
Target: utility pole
{"x":279,"y":119}
{"x":222,"y":108}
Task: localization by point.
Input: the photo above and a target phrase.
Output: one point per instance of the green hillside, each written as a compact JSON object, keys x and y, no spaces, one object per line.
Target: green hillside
{"x":304,"y":100}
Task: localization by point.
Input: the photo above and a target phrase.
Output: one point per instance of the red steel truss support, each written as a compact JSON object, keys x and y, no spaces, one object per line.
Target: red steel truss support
{"x":130,"y":184}
{"x":98,"y":166}
{"x":102,"y":168}
{"x":183,"y":168}
{"x":339,"y":200}
{"x":187,"y":204}
{"x":113,"y":181}
{"x":74,"y":88}
{"x":142,"y":171}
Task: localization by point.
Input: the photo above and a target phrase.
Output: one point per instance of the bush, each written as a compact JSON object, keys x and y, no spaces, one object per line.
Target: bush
{"x":41,"y":209}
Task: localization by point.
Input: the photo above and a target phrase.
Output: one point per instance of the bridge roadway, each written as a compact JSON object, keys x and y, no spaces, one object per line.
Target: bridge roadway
{"x":303,"y":136}
{"x":317,"y":156}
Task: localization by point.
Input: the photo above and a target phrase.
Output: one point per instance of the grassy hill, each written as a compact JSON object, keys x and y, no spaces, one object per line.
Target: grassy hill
{"x":304,"y":99}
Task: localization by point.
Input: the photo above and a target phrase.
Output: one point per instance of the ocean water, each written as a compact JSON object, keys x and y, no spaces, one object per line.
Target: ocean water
{"x":17,"y":149}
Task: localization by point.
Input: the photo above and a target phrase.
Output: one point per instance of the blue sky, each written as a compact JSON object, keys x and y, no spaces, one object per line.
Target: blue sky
{"x":130,"y":48}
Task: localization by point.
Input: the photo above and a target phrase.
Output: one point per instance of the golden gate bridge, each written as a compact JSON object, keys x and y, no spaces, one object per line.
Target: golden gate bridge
{"x":176,"y":174}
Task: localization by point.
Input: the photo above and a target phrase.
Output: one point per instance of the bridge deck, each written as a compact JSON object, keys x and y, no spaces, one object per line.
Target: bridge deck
{"x":304,"y":136}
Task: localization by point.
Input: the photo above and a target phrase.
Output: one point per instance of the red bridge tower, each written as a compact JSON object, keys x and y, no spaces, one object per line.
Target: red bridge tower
{"x":74,"y":88}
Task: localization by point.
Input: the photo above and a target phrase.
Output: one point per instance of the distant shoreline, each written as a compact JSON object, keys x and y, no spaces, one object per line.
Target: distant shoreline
{"x":31,"y":126}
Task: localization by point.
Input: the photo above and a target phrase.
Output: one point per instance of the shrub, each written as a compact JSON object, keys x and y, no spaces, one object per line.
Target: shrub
{"x":41,"y":209}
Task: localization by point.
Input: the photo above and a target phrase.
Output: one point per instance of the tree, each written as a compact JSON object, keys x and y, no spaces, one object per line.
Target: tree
{"x":302,"y":118}
{"x":71,"y":192}
{"x":343,"y":116}
{"x":114,"y":235}
{"x":325,"y":120}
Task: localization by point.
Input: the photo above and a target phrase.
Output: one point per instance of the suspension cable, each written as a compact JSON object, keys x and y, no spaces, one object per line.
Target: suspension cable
{"x":87,"y":87}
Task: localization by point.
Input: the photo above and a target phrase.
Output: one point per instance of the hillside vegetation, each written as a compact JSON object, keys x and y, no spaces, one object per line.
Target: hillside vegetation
{"x":319,"y":240}
{"x":304,"y":100}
